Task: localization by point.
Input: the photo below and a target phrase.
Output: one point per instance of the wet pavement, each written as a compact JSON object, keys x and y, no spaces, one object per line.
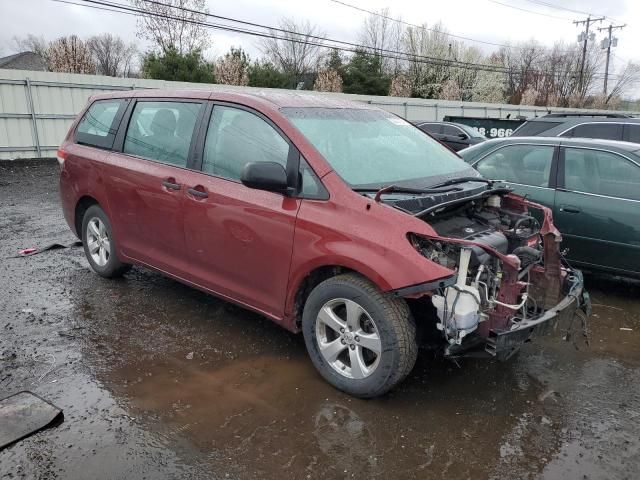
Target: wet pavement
{"x":158,"y":380}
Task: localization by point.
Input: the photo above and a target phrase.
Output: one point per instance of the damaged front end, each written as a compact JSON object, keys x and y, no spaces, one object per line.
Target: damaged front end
{"x":511,"y":281}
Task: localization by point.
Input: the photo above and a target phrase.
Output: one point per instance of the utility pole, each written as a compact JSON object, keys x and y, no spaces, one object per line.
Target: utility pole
{"x":584,"y":38}
{"x":608,"y":43}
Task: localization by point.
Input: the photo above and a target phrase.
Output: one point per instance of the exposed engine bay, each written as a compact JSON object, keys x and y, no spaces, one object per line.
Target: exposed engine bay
{"x":510,"y":278}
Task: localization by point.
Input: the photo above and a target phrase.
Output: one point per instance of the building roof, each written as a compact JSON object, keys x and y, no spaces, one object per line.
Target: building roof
{"x":10,"y":58}
{"x":23,"y":61}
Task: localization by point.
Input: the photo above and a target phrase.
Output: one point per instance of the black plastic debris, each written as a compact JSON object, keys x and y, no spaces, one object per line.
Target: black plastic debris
{"x":23,"y":414}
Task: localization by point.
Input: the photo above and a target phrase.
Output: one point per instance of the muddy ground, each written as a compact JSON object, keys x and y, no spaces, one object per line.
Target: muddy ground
{"x":158,"y":380}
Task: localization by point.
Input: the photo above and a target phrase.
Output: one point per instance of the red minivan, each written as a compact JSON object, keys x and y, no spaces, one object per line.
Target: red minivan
{"x":333,"y":218}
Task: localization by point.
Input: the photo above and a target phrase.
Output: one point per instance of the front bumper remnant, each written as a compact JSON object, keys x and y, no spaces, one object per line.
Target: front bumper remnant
{"x":503,"y":344}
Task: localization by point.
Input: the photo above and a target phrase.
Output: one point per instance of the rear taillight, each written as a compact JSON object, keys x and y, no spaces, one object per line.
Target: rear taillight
{"x":62,"y":155}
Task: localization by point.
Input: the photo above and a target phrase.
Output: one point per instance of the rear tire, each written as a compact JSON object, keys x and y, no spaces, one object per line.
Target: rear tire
{"x":361,"y":340}
{"x":99,"y":244}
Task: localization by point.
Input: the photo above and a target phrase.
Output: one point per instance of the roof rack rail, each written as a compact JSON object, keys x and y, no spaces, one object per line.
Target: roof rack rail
{"x":587,"y":114}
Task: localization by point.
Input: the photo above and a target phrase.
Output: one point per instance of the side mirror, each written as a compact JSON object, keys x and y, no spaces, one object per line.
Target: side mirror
{"x":463,"y":136}
{"x":269,"y":176}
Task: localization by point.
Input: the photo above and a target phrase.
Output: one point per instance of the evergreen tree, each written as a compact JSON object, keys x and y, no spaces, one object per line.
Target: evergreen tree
{"x":362,"y":74}
{"x":181,"y":67}
{"x":335,"y":61}
{"x":265,"y":74}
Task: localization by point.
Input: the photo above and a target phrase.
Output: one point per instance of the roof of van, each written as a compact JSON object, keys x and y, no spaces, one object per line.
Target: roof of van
{"x":277,"y":98}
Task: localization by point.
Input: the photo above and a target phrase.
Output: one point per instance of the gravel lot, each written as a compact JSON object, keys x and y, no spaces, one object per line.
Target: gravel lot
{"x":158,"y":380}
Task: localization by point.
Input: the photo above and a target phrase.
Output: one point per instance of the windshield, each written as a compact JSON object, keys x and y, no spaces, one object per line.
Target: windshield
{"x":532,"y":128}
{"x":373,"y":148}
{"x":469,"y":153}
{"x":473,"y":132}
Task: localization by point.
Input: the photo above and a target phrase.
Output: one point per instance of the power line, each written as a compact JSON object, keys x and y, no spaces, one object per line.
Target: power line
{"x":234,"y":20}
{"x":422,"y":27}
{"x":319,"y":41}
{"x":529,"y":11}
{"x":566,"y":9}
{"x":125,"y":9}
{"x":95,"y":7}
{"x":622,"y":59}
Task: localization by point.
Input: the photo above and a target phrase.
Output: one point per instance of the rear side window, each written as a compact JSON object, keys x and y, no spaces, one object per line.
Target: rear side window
{"x":97,"y":127}
{"x":236,"y":137}
{"x":431,"y":127}
{"x":602,"y":173}
{"x":451,"y":130}
{"x":606,"y":131}
{"x":533,"y":129}
{"x":633,"y":133}
{"x":523,"y":164}
{"x":162,"y":131}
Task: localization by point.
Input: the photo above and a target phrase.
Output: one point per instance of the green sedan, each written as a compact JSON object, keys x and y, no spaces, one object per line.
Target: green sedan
{"x":592,"y":186}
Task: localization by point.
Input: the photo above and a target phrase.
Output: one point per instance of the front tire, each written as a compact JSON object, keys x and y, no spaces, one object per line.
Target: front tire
{"x":99,"y":245}
{"x":361,"y":340}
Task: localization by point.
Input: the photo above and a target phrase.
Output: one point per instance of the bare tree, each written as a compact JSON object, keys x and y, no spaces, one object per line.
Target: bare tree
{"x":328,"y":80}
{"x":552,"y":73}
{"x":111,"y":55}
{"x":559,"y":79}
{"x":594,"y":61}
{"x":628,"y":78}
{"x":599,"y":101}
{"x":33,"y":43}
{"x":296,"y":53}
{"x":529,"y":97}
{"x":173,"y":24}
{"x":70,"y":55}
{"x":521,"y":63}
{"x":380,"y":32}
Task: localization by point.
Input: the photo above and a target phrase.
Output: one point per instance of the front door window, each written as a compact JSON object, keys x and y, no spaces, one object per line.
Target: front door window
{"x":236,"y":137}
{"x":523,"y":164}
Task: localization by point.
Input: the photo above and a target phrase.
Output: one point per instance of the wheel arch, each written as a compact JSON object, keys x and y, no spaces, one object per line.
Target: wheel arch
{"x":305,"y":283}
{"x":82,"y":205}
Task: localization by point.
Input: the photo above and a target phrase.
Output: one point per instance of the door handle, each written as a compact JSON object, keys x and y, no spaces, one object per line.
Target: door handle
{"x":569,"y":209}
{"x":197,"y":193}
{"x":171,"y":184}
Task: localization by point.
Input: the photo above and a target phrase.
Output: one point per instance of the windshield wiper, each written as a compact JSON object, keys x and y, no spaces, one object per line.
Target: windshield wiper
{"x":397,"y":189}
{"x":455,"y":181}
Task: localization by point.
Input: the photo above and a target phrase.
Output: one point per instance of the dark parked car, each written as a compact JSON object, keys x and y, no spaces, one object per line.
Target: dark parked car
{"x":455,"y":135}
{"x":613,"y":126}
{"x":332,"y":218}
{"x":592,"y":186}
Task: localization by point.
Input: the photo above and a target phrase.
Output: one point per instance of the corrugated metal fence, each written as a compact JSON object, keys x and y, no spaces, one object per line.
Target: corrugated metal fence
{"x":36,"y":108}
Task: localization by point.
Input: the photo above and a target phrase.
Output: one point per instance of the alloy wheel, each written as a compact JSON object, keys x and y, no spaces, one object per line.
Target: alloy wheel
{"x":98,"y":242}
{"x":348,"y":338}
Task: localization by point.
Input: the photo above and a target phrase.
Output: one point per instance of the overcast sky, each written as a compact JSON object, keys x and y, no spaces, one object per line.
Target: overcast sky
{"x":485,"y":20}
